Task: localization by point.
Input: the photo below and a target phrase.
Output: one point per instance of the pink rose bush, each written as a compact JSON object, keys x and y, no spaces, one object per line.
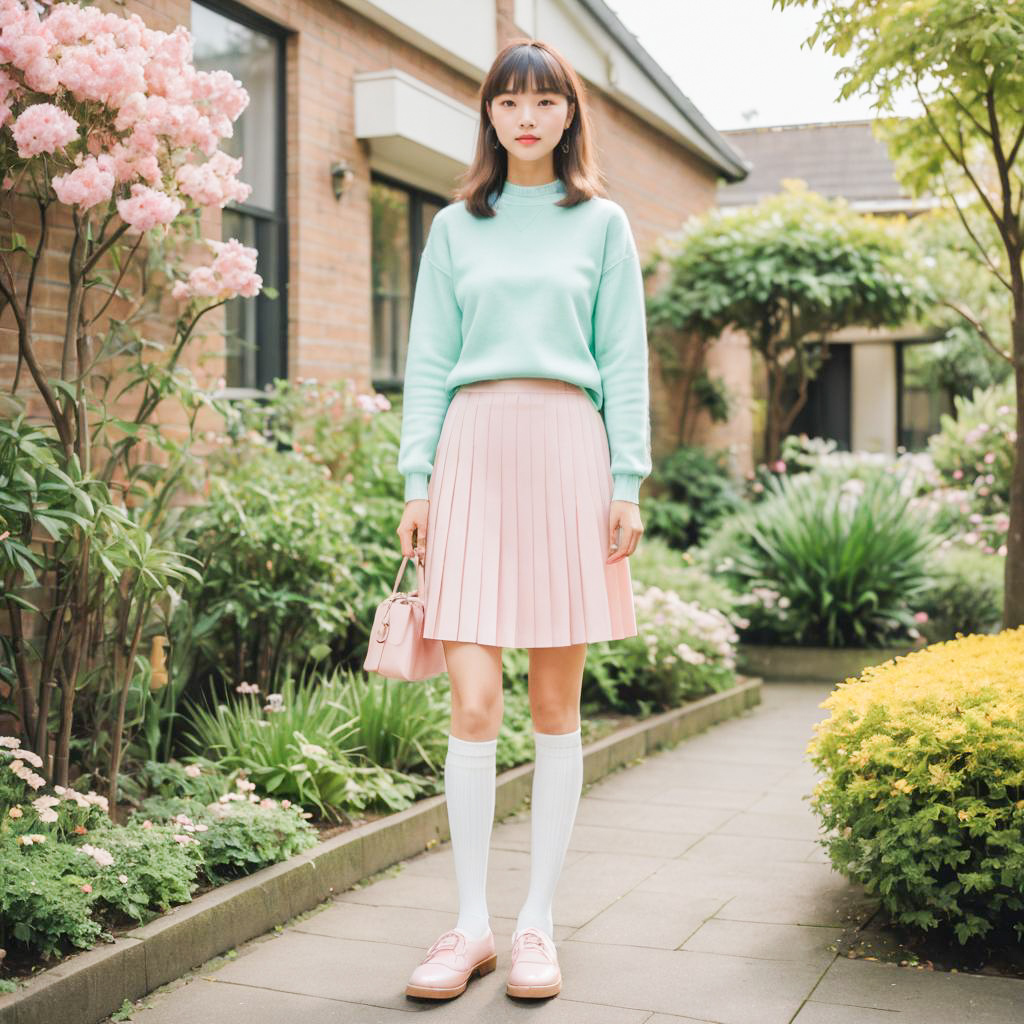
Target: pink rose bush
{"x":124,"y":121}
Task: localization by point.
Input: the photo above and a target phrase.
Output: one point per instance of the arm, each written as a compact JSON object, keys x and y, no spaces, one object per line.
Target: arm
{"x":620,"y":350}
{"x":435,"y":340}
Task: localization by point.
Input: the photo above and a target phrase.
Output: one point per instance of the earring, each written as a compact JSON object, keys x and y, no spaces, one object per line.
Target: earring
{"x":565,"y":147}
{"x":490,"y":129}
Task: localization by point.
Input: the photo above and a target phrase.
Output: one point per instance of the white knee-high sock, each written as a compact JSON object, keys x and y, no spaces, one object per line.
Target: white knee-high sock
{"x":557,"y":784}
{"x":470,"y":770}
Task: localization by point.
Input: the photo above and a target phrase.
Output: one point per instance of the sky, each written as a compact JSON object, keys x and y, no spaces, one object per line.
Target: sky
{"x":742,"y":62}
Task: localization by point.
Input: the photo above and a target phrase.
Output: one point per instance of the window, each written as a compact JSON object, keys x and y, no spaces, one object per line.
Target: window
{"x":922,"y":399}
{"x":401,"y":218}
{"x":252,"y":50}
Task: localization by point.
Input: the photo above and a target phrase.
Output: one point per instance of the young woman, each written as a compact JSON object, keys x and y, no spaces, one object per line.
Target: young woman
{"x":525,"y":438}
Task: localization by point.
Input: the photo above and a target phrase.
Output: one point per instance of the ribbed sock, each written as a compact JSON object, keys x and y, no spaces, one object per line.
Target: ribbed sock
{"x":557,"y":784}
{"x":470,"y":771}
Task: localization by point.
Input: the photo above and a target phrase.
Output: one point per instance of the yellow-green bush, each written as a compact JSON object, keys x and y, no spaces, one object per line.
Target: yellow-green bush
{"x":923,"y":794}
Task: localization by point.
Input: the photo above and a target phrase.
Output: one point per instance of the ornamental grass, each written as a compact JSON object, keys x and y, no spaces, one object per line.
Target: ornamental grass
{"x":923,"y":794}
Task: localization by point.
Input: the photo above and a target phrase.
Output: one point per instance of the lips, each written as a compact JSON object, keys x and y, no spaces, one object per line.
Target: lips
{"x":526,"y":138}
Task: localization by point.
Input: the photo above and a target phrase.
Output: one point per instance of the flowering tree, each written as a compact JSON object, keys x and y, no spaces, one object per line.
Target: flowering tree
{"x":962,"y":59}
{"x":108,"y":153}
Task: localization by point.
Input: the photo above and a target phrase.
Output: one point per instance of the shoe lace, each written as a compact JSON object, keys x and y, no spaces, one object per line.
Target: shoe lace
{"x":531,"y":938}
{"x":449,"y":940}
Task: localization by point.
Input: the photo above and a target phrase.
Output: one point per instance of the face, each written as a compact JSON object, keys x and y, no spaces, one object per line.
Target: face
{"x":530,"y":124}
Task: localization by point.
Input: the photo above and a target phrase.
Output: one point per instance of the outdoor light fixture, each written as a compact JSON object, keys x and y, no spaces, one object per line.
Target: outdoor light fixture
{"x":341,"y":175}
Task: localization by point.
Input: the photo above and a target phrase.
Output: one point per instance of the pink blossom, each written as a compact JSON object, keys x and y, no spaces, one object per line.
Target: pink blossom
{"x":213,"y":183}
{"x":958,"y":474}
{"x":779,"y":466}
{"x":989,"y":458}
{"x":233,"y":272}
{"x":43,"y":128}
{"x":921,"y":617}
{"x":86,"y":888}
{"x":193,"y":771}
{"x":148,"y":207}
{"x":89,"y":184}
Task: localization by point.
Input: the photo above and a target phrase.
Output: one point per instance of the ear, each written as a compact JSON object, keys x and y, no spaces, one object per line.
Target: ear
{"x":572,"y":114}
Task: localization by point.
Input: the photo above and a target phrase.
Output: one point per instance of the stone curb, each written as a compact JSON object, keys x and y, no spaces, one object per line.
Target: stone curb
{"x":93,"y":984}
{"x":785,"y":663}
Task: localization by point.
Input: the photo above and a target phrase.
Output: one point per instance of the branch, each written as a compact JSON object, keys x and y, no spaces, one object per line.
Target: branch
{"x":974,"y":238}
{"x":979,"y":327}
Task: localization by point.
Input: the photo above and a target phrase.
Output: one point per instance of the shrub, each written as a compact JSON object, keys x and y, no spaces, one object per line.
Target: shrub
{"x":965,"y":596}
{"x":976,"y":448}
{"x":655,"y":564}
{"x":846,"y":561}
{"x":302,"y":745}
{"x":694,"y":490}
{"x":924,"y":777}
{"x":682,"y":651}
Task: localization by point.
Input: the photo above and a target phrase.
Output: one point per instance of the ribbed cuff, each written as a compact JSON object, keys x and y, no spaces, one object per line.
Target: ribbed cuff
{"x":416,"y":486}
{"x":627,"y":487}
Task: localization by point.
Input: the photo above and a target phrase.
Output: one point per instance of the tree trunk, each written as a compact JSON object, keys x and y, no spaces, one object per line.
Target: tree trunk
{"x":1013,"y":603}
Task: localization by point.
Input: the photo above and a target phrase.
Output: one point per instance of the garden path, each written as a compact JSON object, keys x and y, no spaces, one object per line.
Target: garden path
{"x":693,"y":891}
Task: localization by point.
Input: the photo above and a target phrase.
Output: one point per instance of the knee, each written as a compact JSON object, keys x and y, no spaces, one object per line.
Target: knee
{"x":478,"y":718}
{"x":554,"y":716}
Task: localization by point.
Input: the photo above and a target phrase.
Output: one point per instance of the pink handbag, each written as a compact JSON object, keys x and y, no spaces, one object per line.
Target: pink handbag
{"x":398,"y":649}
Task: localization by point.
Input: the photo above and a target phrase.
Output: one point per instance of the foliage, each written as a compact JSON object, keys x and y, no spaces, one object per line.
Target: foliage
{"x":788,"y":272}
{"x":110,"y":136}
{"x":965,"y":148}
{"x":965,"y":595}
{"x":693,"y":491}
{"x":828,"y":561}
{"x":924,"y":777}
{"x":682,"y":651}
{"x":655,"y":564}
{"x":300,"y":746}
{"x":976,"y":448}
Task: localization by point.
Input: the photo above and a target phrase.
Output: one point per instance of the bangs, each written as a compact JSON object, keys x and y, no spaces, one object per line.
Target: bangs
{"x":527,"y":68}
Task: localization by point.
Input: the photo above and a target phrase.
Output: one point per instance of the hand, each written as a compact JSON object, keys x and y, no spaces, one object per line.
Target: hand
{"x":624,"y":516}
{"x":414,"y":518}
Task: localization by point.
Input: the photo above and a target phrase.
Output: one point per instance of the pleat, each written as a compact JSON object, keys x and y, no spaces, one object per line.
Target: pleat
{"x":524,"y":623}
{"x":491,"y":528}
{"x":518,"y":530}
{"x":508,"y":548}
{"x":560,"y":488}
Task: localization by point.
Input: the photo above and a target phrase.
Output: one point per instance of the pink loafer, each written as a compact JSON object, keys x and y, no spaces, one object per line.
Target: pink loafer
{"x":534,"y":972}
{"x":449,"y":964}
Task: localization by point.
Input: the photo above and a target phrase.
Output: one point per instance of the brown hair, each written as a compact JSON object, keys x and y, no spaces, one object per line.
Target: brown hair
{"x":524,"y":63}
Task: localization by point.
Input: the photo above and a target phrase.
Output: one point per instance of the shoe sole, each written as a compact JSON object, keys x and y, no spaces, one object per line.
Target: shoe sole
{"x":482,"y":968}
{"x":534,"y":991}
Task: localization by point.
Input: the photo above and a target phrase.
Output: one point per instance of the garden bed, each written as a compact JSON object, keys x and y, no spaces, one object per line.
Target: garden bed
{"x":87,"y":987}
{"x":792,"y":664}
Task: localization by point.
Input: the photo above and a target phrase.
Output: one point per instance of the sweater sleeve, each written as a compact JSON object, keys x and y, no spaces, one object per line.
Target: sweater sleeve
{"x":435,"y":341}
{"x":620,"y":351}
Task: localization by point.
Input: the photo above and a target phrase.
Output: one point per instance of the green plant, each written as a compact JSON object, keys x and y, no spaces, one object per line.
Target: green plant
{"x":693,"y":491}
{"x":299,"y":746}
{"x":923,"y":787}
{"x":655,"y":564}
{"x":965,"y":596}
{"x":975,"y":450}
{"x":827,"y":561}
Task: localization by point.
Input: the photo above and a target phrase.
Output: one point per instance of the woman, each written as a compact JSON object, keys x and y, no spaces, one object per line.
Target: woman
{"x":525,"y":438}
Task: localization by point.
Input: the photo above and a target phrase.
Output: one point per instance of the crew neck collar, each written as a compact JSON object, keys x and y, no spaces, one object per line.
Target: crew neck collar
{"x":549,"y":192}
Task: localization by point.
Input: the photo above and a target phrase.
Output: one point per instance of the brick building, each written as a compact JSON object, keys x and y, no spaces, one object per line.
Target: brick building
{"x":362,"y":115}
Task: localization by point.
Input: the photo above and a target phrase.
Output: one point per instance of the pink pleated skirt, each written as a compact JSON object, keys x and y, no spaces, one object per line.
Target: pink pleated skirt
{"x":517,"y":529}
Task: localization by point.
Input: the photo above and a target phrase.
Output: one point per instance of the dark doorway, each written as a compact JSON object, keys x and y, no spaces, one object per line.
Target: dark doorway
{"x":827,"y":410}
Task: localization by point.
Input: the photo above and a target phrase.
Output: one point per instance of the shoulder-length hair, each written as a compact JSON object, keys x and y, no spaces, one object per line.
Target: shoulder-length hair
{"x":522,"y":65}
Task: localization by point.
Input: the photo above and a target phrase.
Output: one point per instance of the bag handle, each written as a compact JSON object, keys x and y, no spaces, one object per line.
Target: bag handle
{"x":419,"y":575}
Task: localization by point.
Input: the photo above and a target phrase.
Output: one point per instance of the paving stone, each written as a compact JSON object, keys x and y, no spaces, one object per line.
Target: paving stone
{"x":657,"y":919}
{"x":813,"y":1012}
{"x":727,"y":989}
{"x":776,"y":825}
{"x":692,"y":820}
{"x":923,"y":997}
{"x":804,"y":944}
{"x":751,"y":850}
{"x":595,"y":838}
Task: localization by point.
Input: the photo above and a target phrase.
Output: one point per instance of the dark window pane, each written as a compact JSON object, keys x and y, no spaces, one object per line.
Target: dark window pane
{"x":391,"y":277}
{"x":252,"y":57}
{"x":922,"y":400}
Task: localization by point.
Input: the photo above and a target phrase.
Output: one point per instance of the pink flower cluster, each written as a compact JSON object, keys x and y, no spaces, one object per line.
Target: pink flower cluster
{"x":147,"y":109}
{"x":232,"y":272}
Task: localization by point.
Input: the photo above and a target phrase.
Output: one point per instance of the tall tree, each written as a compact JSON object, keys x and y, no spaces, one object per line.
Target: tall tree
{"x":787,"y":272}
{"x":962,"y":59}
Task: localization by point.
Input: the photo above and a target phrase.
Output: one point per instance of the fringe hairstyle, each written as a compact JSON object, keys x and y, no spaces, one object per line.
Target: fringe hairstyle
{"x":525,"y":64}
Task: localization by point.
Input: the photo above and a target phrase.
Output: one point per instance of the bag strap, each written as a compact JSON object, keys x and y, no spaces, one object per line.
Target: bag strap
{"x":420,"y":583}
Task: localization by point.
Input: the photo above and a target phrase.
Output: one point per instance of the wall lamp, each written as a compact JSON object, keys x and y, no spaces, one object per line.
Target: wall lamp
{"x":341,"y":175}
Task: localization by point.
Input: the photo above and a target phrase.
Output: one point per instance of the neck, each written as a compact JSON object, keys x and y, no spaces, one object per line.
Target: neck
{"x":530,"y":172}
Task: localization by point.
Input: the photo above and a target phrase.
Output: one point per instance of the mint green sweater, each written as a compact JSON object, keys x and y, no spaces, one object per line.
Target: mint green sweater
{"x":537,"y":290}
